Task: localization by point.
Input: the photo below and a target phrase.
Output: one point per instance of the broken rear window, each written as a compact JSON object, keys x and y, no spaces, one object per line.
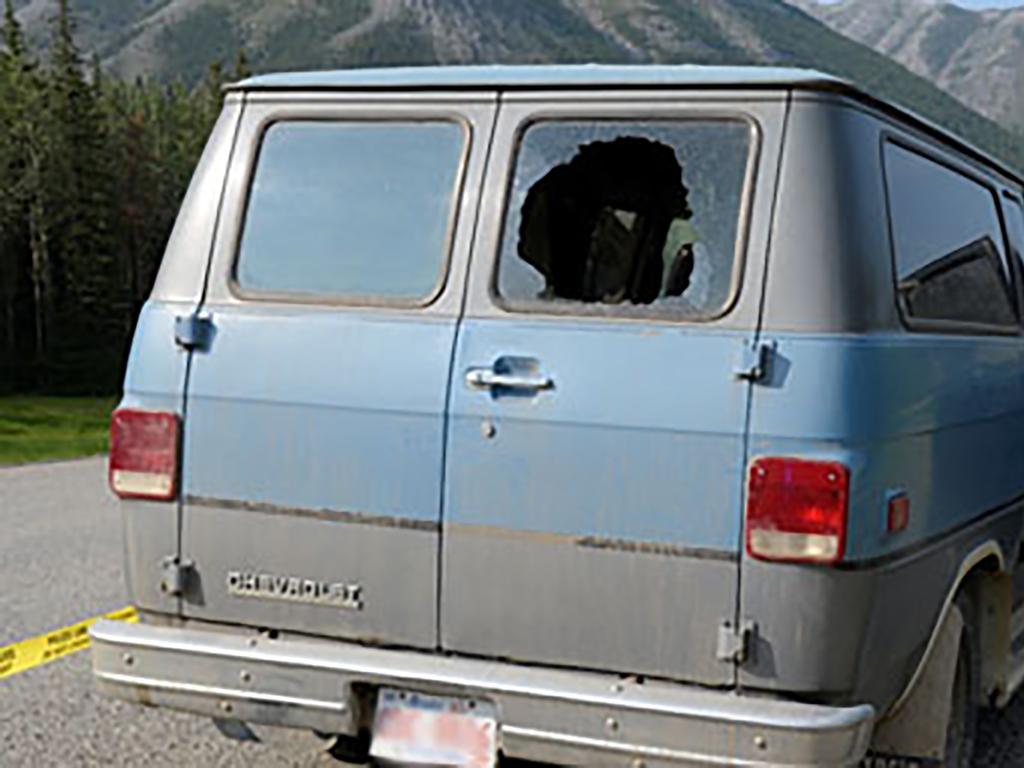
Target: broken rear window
{"x":631,"y":218}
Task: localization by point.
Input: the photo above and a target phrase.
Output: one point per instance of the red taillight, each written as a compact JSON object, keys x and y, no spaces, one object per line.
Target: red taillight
{"x":144,"y":454}
{"x":796,"y":510}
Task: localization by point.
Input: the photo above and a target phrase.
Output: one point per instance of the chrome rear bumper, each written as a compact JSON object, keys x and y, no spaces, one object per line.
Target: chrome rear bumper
{"x":549,"y":715}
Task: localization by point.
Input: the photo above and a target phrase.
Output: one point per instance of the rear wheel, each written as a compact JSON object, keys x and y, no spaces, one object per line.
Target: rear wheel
{"x":963,"y":717}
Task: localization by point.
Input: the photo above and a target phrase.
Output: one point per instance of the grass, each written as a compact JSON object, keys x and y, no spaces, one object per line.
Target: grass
{"x":47,"y":428}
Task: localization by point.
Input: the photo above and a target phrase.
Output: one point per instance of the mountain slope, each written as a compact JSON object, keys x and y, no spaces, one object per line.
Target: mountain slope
{"x":978,"y":57}
{"x":177,"y":38}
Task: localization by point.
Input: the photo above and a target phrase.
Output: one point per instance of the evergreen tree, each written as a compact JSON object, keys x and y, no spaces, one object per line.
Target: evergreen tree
{"x":14,"y":39}
{"x":92,"y":171}
{"x":81,"y":185}
{"x":242,"y":69}
{"x":24,"y":208}
{"x":10,"y":209}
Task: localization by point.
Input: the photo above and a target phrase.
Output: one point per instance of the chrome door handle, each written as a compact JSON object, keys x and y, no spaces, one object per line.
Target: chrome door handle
{"x":488,"y":378}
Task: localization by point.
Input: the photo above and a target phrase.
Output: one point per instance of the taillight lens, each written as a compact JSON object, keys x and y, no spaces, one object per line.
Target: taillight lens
{"x":797,"y":509}
{"x":144,"y":454}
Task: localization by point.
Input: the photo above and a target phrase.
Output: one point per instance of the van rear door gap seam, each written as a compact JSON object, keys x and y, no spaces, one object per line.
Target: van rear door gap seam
{"x":214,"y":238}
{"x":453,"y":353}
{"x":738,"y":617}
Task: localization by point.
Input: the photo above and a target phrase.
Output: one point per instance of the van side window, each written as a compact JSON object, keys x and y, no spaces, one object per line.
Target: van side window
{"x":351,"y":211}
{"x":1015,"y":225}
{"x":625,"y":218}
{"x":950,"y":252}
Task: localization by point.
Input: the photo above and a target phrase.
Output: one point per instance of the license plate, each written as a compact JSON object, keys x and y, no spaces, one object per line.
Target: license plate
{"x":417,"y":729}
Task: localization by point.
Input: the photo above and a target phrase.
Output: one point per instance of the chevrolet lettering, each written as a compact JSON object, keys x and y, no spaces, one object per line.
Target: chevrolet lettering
{"x":268,"y":586}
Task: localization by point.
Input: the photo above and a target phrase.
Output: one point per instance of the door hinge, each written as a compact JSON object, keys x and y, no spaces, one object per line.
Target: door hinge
{"x":736,"y":643}
{"x":175,"y":575}
{"x":193,"y":332}
{"x":756,"y":362}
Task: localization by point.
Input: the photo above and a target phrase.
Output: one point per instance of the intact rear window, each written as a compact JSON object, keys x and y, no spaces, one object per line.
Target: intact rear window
{"x":631,"y":218}
{"x":951,"y":264}
{"x":351,"y":211}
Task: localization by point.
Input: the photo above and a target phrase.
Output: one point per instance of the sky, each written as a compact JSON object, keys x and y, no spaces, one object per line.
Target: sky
{"x":978,"y":4}
{"x":989,"y":3}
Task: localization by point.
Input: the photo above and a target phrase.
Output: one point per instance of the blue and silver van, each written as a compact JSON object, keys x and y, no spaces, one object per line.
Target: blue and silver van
{"x":605,"y":416}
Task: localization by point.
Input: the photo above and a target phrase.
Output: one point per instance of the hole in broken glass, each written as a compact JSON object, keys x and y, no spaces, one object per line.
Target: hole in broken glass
{"x":613,"y":225}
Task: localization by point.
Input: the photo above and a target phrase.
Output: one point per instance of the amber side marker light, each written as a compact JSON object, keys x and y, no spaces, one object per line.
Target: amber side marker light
{"x":797,"y":510}
{"x":144,"y":454}
{"x":898,"y":513}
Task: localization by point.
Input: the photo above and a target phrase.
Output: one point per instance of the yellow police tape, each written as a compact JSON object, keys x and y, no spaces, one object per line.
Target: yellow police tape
{"x":37,"y":651}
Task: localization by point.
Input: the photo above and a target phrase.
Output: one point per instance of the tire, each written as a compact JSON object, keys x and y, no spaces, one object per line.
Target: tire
{"x":353,"y":750}
{"x":961,"y":732}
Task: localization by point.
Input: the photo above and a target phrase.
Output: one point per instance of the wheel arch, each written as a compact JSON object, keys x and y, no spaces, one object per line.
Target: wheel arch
{"x":984,"y":561}
{"x":916,"y":724}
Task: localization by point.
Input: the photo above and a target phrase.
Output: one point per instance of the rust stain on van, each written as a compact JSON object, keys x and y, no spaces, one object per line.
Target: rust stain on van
{"x":330,"y":515}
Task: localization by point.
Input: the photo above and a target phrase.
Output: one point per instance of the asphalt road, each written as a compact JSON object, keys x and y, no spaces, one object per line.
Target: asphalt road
{"x":60,"y":562}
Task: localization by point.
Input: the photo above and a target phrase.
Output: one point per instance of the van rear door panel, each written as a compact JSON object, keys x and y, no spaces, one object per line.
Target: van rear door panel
{"x":318,"y":466}
{"x":593,"y":500}
{"x":598,"y":525}
{"x":314,"y":430}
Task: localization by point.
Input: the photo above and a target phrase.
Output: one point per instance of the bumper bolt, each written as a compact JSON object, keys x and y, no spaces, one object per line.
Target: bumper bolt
{"x":225,"y":706}
{"x":245,"y":676}
{"x":760,"y":742}
{"x":611,"y":725}
{"x":128,"y":659}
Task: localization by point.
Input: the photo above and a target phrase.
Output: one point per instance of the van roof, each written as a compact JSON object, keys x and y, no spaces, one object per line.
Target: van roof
{"x":542,"y":76}
{"x":516,"y":77}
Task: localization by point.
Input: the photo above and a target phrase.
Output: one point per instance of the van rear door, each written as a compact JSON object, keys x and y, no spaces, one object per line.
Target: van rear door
{"x":596,"y":445}
{"x":313,"y":440}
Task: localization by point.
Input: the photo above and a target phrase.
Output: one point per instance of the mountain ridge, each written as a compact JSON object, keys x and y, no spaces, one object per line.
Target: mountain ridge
{"x":976,"y":56}
{"x":169,"y":39}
